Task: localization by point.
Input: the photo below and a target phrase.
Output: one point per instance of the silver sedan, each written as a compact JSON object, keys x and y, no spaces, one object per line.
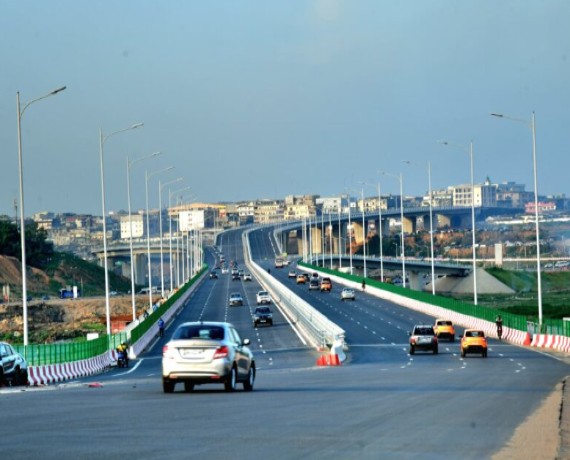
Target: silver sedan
{"x":207,"y":352}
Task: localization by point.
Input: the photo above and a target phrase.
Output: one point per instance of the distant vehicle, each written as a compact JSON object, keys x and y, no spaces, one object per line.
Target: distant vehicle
{"x":444,"y":329}
{"x":262,"y":315}
{"x":207,"y":352}
{"x":247,"y":277}
{"x":347,"y":294}
{"x":279,"y":263}
{"x":326,"y":285}
{"x":13,"y":366}
{"x":262,"y":297}
{"x":236,"y":277}
{"x":225,"y":271}
{"x":423,"y":337}
{"x":473,"y":341}
{"x":301,"y":279}
{"x":292,"y":274}
{"x":213,"y":275}
{"x":235,"y":299}
{"x":68,"y":293}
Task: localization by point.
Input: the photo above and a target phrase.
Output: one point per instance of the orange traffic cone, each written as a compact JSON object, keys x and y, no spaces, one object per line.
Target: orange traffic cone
{"x":527,"y":340}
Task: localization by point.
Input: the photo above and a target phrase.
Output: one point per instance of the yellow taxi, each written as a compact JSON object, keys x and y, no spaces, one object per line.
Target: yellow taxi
{"x":444,"y":329}
{"x":473,"y":341}
{"x":301,"y":279}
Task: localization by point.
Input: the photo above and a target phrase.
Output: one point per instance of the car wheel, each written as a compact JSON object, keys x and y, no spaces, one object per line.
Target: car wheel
{"x":231,"y":380}
{"x":412,"y":350}
{"x":463,"y":353}
{"x":188,"y":387}
{"x":248,"y":384}
{"x":167,"y":386}
{"x":435,"y":351}
{"x":484,"y":353}
{"x":453,"y":338}
{"x":21,"y":377}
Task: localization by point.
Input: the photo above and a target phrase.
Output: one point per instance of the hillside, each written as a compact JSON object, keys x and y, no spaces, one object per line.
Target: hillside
{"x":56,"y":319}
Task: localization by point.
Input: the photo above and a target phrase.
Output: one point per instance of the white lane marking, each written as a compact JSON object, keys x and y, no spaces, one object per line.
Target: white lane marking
{"x":131,"y":370}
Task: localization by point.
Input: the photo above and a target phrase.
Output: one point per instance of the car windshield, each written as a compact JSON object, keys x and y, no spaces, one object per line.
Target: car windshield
{"x":263,"y":293}
{"x":199,"y":331}
{"x":263,"y":310}
{"x":424,"y":331}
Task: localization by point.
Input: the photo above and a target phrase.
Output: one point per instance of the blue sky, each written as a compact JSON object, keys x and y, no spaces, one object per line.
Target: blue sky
{"x":258,"y":99}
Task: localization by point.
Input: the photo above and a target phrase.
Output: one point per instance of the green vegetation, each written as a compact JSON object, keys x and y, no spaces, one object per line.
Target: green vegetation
{"x":555,"y":294}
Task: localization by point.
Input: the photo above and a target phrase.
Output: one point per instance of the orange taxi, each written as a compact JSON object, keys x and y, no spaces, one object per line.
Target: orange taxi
{"x":473,"y":341}
{"x":444,"y":329}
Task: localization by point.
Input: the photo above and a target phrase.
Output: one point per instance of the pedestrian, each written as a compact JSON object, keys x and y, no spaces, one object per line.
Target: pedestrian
{"x":161,"y":327}
{"x":363,"y":284}
{"x":499,"y":323}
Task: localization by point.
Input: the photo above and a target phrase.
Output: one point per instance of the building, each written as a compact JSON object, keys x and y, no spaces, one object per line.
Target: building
{"x":138,"y":225}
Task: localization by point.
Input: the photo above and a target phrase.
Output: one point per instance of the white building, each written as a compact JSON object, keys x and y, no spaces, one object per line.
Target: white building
{"x":138,"y":226}
{"x":192,"y":220}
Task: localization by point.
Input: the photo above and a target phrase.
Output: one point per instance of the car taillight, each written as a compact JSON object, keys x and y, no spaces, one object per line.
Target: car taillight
{"x":166,"y":351}
{"x":221,"y":352}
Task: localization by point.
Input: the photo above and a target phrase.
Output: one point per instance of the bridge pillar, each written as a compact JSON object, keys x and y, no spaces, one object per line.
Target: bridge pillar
{"x":409,"y":224}
{"x":415,"y":281}
{"x":443,"y":221}
{"x":316,"y":240}
{"x":141,"y":268}
{"x":291,"y":242}
{"x":358,"y":232}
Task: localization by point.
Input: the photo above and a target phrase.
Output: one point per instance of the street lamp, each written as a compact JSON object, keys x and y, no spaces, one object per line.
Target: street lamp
{"x":470,"y":151}
{"x":160,"y":187}
{"x":380,"y":231}
{"x":532,"y":127}
{"x":102,"y":140}
{"x":129,"y":165}
{"x":170,"y":193}
{"x":430,"y":225}
{"x":399,"y":177}
{"x":363,"y":231}
{"x":147,"y":177}
{"x":20,"y":113}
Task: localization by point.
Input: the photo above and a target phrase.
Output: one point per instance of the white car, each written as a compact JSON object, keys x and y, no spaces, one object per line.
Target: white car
{"x":235,"y":299}
{"x":347,"y":294}
{"x":247,"y":277}
{"x":263,"y":297}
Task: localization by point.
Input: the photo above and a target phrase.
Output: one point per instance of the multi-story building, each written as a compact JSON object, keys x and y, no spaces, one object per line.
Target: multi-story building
{"x":482,"y":195}
{"x":267,"y":211}
{"x":138,"y":225}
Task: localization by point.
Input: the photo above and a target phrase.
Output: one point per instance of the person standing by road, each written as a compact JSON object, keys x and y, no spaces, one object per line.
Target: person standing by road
{"x":499,"y":323}
{"x":161,"y":327}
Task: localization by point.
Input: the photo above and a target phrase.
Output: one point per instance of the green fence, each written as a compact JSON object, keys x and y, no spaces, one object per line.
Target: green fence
{"x":518,"y":322}
{"x":65,"y":352}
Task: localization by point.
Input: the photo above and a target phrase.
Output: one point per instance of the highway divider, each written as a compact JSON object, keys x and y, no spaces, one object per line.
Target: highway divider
{"x":321,"y":332}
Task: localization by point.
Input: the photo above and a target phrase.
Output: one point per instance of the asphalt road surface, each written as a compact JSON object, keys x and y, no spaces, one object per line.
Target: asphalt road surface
{"x":382,"y":403}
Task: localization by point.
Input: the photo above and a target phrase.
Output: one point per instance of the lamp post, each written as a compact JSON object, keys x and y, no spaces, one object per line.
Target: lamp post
{"x":349,"y":234}
{"x":102,"y":140}
{"x":170,"y":194}
{"x":470,"y":151}
{"x":147,"y":177}
{"x":402,"y":246}
{"x":430,"y":224}
{"x":363,"y":232}
{"x":160,"y":187}
{"x":20,"y":112}
{"x":339,"y":234}
{"x":379,"y":231}
{"x":129,"y":165}
{"x":532,"y":127}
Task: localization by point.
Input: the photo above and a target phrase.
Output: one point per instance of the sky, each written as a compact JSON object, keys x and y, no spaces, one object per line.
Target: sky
{"x":263,"y":99}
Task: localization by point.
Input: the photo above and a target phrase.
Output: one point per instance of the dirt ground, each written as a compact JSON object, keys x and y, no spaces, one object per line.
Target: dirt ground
{"x":60,"y":319}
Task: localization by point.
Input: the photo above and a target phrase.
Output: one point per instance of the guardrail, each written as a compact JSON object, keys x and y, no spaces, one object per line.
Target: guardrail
{"x":321,"y":331}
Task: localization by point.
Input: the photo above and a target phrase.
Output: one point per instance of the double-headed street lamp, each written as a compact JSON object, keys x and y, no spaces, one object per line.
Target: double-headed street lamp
{"x":20,"y":112}
{"x":170,"y":194}
{"x":532,"y":127}
{"x":470,"y":151}
{"x":147,"y":177}
{"x":160,"y":187}
{"x":129,"y":165}
{"x":102,"y":140}
{"x":403,"y":254}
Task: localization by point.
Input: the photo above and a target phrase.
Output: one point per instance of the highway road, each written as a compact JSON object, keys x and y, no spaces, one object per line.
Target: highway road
{"x":382,"y":403}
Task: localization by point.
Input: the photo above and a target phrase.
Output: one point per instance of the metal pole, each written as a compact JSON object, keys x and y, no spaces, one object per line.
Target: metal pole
{"x":133,"y":302}
{"x":473,"y":225}
{"x":339,"y":234}
{"x":148,"y":243}
{"x":380,"y":234}
{"x":349,"y":234}
{"x":431,"y":230}
{"x":20,"y":113}
{"x":538,"y":272}
{"x":170,"y":239}
{"x":402,"y":231}
{"x":363,"y":233}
